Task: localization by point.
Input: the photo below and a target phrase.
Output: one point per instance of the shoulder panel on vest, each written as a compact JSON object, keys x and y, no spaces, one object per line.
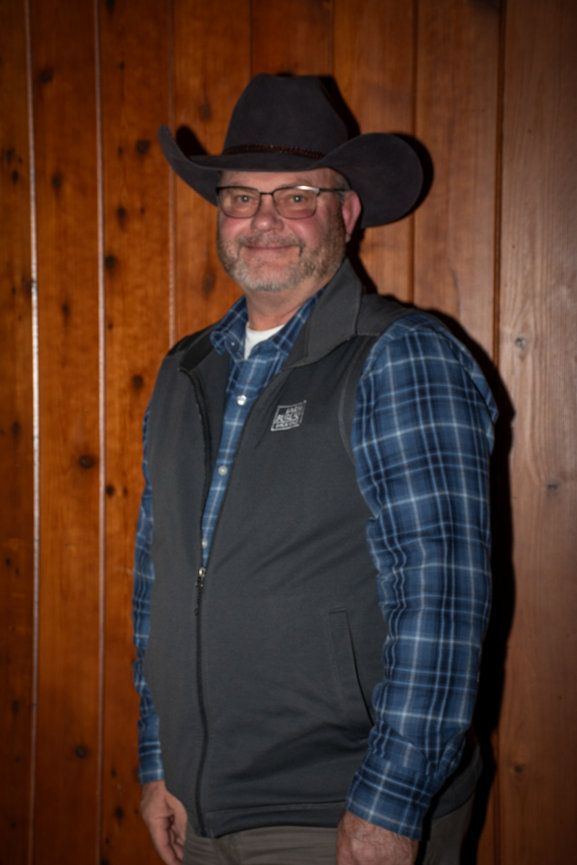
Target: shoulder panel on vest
{"x":377,"y":313}
{"x":187,"y":342}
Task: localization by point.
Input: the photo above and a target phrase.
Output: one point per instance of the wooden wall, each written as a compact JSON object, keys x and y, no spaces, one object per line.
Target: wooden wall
{"x":105,"y":260}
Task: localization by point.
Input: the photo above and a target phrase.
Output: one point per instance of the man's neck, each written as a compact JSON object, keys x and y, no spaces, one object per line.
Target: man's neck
{"x":264,"y":316}
{"x":268,"y":309}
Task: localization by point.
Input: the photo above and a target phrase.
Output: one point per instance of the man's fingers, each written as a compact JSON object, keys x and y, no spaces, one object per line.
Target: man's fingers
{"x":163,"y":843}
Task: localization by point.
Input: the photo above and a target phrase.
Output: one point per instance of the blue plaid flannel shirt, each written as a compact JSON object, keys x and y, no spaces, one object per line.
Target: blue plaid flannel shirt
{"x":422,"y":437}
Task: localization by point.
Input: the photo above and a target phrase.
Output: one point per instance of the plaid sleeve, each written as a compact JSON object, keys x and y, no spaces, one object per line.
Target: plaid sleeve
{"x":149,"y":755}
{"x":422,"y":438}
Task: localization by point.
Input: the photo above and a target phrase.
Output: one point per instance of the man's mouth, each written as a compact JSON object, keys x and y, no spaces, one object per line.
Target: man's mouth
{"x":268,"y":244}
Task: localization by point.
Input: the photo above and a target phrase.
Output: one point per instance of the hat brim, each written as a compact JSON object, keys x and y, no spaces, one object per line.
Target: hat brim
{"x":382,"y":169}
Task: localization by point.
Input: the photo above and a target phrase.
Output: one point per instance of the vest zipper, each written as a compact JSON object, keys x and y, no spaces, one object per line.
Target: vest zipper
{"x":200,"y":580}
{"x":201,"y":575}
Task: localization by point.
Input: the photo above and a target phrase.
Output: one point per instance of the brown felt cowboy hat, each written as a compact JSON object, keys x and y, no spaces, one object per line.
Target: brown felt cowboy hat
{"x":288,"y":123}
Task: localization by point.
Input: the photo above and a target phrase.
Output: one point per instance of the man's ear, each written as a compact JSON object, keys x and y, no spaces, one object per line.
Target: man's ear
{"x":351,"y":210}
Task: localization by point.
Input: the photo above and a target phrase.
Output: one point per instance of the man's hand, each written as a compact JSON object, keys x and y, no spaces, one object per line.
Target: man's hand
{"x":165,"y":817}
{"x":363,"y":843}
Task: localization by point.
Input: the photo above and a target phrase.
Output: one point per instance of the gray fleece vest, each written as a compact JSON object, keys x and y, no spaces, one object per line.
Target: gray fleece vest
{"x":262,"y":668}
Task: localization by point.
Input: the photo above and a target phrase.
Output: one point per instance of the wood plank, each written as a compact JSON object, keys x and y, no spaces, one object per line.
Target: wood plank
{"x":67,"y":780}
{"x":374,"y":46}
{"x":292,"y":36}
{"x":207,"y":83}
{"x":457,"y":119}
{"x":16,"y":442}
{"x":134,"y":46}
{"x":538,"y":771}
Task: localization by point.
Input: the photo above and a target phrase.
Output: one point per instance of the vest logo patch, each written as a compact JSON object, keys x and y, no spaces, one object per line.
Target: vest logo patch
{"x":288,"y":416}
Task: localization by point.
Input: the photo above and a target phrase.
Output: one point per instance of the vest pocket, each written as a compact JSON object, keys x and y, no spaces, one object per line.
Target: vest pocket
{"x":357,"y":711}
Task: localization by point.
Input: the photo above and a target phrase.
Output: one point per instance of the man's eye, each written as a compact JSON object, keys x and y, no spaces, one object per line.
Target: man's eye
{"x":297,"y":197}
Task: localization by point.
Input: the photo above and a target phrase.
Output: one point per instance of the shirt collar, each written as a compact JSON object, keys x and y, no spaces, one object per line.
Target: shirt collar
{"x":229,"y":333}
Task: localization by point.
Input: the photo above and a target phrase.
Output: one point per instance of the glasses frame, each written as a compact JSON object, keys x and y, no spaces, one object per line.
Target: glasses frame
{"x":316,"y":189}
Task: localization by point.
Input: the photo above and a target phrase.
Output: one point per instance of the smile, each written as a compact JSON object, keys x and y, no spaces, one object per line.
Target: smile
{"x":269,"y":250}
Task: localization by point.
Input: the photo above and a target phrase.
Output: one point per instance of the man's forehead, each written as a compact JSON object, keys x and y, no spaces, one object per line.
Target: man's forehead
{"x":268,"y":180}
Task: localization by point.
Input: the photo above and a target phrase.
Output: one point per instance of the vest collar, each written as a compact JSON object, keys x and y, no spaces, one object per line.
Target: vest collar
{"x":333,"y":319}
{"x":332,"y":322}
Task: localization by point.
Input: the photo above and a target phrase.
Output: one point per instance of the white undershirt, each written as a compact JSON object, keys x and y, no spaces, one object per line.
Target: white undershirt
{"x":253,"y":337}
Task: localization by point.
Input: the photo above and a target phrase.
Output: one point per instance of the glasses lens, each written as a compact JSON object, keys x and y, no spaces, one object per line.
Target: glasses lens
{"x":295,"y":203}
{"x":238,"y":201}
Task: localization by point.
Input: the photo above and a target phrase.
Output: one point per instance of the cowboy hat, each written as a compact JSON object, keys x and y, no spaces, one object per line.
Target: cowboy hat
{"x":288,"y":123}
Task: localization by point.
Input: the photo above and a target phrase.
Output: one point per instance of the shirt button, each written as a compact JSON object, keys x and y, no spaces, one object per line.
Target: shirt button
{"x":241,"y":400}
{"x":204,"y":543}
{"x":223,"y":471}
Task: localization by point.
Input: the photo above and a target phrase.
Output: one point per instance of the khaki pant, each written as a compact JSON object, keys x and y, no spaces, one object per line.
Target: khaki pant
{"x":304,"y":845}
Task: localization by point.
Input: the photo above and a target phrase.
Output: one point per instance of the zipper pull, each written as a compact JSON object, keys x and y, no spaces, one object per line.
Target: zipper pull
{"x":201,"y":574}
{"x":200,"y":578}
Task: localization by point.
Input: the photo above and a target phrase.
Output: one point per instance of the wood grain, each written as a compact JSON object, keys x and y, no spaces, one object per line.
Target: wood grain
{"x":374,"y":47}
{"x":292,"y":36}
{"x":538,"y":760}
{"x":134,"y":60}
{"x":67,"y":781}
{"x":457,"y":117}
{"x":16,"y":443}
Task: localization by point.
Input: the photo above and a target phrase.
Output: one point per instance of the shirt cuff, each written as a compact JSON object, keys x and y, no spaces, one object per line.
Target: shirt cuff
{"x":150,"y":765}
{"x":383,"y":794}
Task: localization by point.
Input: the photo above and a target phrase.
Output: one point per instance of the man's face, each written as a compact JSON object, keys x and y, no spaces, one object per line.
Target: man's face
{"x":268,"y":253}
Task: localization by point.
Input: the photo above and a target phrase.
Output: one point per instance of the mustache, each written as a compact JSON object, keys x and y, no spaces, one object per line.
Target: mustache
{"x":268,"y":241}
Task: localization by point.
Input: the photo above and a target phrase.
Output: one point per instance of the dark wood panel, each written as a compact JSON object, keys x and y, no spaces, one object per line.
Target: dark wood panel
{"x":134,"y":60}
{"x":207,"y":83}
{"x":67,"y":780}
{"x":538,"y":759}
{"x":16,"y":443}
{"x":457,"y":119}
{"x":374,"y":41}
{"x":292,"y":36}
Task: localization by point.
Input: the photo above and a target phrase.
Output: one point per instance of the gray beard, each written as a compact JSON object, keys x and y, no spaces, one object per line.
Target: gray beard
{"x":250,"y":281}
{"x":323,"y":263}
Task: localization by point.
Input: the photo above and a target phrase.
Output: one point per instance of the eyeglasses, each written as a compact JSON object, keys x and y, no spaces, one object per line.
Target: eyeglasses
{"x":291,"y":202}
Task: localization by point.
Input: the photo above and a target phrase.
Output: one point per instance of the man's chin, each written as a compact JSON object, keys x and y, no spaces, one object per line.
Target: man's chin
{"x":264,"y":288}
{"x":266,"y":279}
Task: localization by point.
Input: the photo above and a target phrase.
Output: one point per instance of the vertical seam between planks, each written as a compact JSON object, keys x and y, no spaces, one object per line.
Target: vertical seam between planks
{"x":499,"y":139}
{"x":414,"y":118}
{"x":170,"y":70}
{"x":101,"y":431}
{"x":250,"y":40}
{"x":332,"y":38}
{"x":496,"y":349}
{"x":499,"y":142}
{"x":35,"y":429}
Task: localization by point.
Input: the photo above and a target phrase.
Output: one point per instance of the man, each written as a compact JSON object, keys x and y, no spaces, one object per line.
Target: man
{"x":312,"y":577}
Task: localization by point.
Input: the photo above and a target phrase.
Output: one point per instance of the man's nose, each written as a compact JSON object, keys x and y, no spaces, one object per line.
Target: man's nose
{"x":267,"y":215}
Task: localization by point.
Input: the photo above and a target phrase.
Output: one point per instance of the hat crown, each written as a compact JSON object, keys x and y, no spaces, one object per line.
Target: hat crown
{"x":285,"y":113}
